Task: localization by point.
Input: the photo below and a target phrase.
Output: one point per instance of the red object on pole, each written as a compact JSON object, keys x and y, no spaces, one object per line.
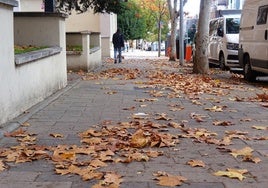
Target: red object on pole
{"x":188,"y":54}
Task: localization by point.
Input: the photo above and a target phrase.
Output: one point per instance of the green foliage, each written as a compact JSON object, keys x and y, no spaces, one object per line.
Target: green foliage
{"x":74,"y":48}
{"x":98,"y":6}
{"x":131,"y":22}
{"x":25,"y":49}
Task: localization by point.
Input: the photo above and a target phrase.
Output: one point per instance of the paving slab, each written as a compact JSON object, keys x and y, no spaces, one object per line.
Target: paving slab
{"x":90,"y":104}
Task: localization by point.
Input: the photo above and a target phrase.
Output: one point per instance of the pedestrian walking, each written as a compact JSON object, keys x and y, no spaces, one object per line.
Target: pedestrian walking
{"x":118,"y":42}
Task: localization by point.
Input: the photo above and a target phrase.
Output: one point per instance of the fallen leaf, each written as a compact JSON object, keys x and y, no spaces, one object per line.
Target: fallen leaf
{"x":247,"y":151}
{"x":215,"y":109}
{"x":56,"y":135}
{"x":139,"y":140}
{"x":2,"y":166}
{"x":222,"y":123}
{"x":263,"y":97}
{"x":170,"y":180}
{"x":259,"y":127}
{"x":17,"y":133}
{"x":130,"y":108}
{"x":196,"y":163}
{"x":264,"y":105}
{"x":25,"y":124}
{"x":97,"y":163}
{"x":250,"y":158}
{"x":153,"y":154}
{"x":232,"y":173}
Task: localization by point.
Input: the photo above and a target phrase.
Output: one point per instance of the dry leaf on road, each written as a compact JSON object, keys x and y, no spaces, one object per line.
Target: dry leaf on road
{"x":196,"y":163}
{"x":246,"y":151}
{"x":232,"y":173}
{"x":169,"y":180}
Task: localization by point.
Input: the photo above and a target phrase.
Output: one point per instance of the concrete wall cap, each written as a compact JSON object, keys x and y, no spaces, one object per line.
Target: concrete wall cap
{"x":39,"y":14}
{"x":35,"y":55}
{"x":13,"y":3}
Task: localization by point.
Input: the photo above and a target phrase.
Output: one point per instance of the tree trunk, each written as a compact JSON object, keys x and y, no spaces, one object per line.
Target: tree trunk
{"x":201,"y":64}
{"x":173,"y":55}
{"x":159,"y":37}
{"x":174,"y":14}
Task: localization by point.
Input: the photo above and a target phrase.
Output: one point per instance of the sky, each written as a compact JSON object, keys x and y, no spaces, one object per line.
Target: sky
{"x":192,"y":6}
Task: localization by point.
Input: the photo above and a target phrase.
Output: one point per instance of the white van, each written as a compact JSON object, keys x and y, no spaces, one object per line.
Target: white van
{"x":253,"y":39}
{"x":223,"y":41}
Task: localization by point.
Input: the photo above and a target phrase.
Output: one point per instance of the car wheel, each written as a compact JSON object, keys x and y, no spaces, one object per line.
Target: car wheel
{"x":222,"y":62}
{"x":249,"y":74}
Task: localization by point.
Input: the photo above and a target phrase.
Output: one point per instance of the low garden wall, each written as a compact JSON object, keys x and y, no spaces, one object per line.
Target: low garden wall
{"x":83,"y":50}
{"x":29,"y":78}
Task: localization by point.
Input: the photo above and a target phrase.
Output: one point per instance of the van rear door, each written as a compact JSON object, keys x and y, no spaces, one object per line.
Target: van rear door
{"x":260,"y":57}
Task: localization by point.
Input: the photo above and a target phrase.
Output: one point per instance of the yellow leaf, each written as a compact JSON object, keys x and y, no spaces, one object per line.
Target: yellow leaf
{"x":2,"y":166}
{"x":247,"y":151}
{"x":232,"y":173}
{"x":259,"y":127}
{"x":25,"y":124}
{"x":215,"y":109}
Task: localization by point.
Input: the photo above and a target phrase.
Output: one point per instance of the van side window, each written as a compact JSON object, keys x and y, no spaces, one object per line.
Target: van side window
{"x":220,"y":28}
{"x":262,"y":15}
{"x":232,"y":25}
{"x":213,"y":28}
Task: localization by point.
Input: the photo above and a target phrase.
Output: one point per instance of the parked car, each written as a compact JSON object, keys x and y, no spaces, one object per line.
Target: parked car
{"x":223,"y":41}
{"x":253,"y":39}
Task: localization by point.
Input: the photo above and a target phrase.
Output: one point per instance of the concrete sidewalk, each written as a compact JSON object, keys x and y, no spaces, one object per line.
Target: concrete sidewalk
{"x":97,"y":103}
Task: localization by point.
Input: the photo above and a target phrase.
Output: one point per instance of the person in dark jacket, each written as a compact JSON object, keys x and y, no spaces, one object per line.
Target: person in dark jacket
{"x":118,"y":42}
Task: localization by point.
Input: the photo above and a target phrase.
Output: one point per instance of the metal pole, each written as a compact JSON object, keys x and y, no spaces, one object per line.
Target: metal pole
{"x":181,"y":34}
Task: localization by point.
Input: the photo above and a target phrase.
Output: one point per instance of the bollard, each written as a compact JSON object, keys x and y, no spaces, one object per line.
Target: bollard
{"x":188,"y":55}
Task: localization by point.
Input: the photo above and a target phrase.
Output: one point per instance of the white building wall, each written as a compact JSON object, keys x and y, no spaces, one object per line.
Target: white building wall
{"x":108,"y":25}
{"x":24,"y":85}
{"x":30,"y":6}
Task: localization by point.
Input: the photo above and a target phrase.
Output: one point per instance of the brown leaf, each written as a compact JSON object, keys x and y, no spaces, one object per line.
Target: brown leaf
{"x":113,"y":178}
{"x":17,"y":133}
{"x":263,"y":97}
{"x":97,"y":163}
{"x":196,"y":163}
{"x":222,"y":123}
{"x":2,"y":166}
{"x":90,"y":132}
{"x":250,"y":158}
{"x":139,"y":140}
{"x":162,"y":117}
{"x":92,"y":141}
{"x":215,"y":109}
{"x":56,"y":135}
{"x":153,"y":154}
{"x":170,"y":180}
{"x":130,"y":108}
{"x":176,"y":125}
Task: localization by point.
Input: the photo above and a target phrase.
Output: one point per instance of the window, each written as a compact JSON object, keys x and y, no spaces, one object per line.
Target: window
{"x":262,"y":15}
{"x":232,"y":25}
{"x":212,"y":27}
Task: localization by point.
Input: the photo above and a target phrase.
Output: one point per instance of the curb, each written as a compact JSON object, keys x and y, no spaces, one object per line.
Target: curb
{"x":16,"y":122}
